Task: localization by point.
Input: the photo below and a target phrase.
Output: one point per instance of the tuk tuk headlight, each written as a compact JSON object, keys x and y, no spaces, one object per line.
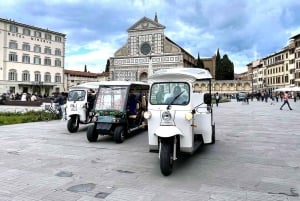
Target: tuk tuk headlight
{"x":189,"y":116}
{"x":115,"y":120}
{"x":166,"y":116}
{"x":147,"y":115}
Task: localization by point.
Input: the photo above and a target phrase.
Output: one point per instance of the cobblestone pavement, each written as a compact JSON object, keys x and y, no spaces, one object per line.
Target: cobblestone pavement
{"x":256,"y":157}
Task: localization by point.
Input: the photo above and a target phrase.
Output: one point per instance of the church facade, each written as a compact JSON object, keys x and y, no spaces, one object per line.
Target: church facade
{"x":148,"y":49}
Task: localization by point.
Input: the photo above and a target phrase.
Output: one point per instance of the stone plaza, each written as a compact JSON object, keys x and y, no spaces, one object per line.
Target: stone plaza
{"x":256,"y":157}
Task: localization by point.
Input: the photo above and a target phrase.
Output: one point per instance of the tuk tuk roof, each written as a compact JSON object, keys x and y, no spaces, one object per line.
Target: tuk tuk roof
{"x":123,"y":83}
{"x":89,"y":85}
{"x":187,"y":74}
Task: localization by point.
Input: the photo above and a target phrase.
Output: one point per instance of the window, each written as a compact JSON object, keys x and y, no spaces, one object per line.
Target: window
{"x":26,"y":47}
{"x":37,"y":60}
{"x":57,"y":77}
{"x":13,"y":56}
{"x":166,"y":93}
{"x":25,"y":76}
{"x":47,"y":50}
{"x":12,"y":75}
{"x":26,"y":32}
{"x":26,"y":59}
{"x":286,"y":78}
{"x":13,"y":45}
{"x":47,"y":36}
{"x":38,"y":34}
{"x":57,"y":62}
{"x":37,"y":49}
{"x":37,"y":76}
{"x":47,"y":61}
{"x":57,"y":39}
{"x":47,"y":77}
{"x":13,"y":28}
{"x":57,"y":52}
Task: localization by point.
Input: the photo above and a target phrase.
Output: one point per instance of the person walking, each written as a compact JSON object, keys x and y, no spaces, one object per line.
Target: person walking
{"x":286,"y":101}
{"x":217,"y":99}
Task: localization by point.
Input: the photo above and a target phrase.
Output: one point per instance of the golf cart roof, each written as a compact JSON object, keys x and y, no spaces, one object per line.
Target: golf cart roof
{"x":184,"y":74}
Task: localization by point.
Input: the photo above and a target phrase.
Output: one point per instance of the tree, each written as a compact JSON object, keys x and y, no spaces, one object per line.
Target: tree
{"x":227,"y":68}
{"x":218,"y":66}
{"x":224,"y":68}
{"x":107,"y":66}
{"x":200,"y":63}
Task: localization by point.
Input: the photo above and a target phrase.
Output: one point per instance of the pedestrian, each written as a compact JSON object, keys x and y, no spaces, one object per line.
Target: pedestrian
{"x":286,"y":100}
{"x":33,"y":98}
{"x":59,"y":105}
{"x":217,"y":99}
{"x":23,"y":97}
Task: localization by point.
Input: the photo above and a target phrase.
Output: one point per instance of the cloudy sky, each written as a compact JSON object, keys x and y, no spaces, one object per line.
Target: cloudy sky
{"x":245,"y":30}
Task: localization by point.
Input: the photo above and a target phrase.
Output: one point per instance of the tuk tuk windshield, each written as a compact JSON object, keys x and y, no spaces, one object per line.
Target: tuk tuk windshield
{"x":76,"y":95}
{"x":111,"y":98}
{"x":170,"y":93}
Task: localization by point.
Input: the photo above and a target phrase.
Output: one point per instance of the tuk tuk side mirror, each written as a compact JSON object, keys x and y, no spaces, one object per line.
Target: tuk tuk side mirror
{"x":207,"y":98}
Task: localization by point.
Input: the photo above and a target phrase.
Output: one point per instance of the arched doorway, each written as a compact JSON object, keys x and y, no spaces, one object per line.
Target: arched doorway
{"x":143,"y":77}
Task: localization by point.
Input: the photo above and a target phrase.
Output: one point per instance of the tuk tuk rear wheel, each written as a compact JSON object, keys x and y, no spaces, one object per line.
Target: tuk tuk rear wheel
{"x":91,"y":134}
{"x":119,"y":134}
{"x":73,"y":124}
{"x":166,"y":160}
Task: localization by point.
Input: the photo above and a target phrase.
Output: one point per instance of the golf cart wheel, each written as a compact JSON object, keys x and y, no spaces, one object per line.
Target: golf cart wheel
{"x":166,"y":159}
{"x":119,"y":134}
{"x":73,"y":124}
{"x":91,"y":134}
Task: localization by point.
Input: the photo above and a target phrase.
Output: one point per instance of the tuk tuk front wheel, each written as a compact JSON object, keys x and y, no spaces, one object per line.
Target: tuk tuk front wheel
{"x":73,"y":124}
{"x":91,"y":134}
{"x":166,"y":159}
{"x":119,"y":134}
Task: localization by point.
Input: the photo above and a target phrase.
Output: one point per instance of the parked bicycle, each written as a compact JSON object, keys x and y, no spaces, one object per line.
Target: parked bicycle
{"x":52,"y":111}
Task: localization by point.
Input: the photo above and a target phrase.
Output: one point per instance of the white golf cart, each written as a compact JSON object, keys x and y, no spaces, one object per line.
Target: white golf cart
{"x":78,"y":106}
{"x":180,"y":119}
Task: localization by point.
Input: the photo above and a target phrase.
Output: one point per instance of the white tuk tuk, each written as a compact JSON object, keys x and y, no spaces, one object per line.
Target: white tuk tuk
{"x":180,"y":119}
{"x":79,"y":105}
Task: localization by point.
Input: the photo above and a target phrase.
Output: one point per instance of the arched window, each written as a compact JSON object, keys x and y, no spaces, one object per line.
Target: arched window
{"x":37,"y":76}
{"x":58,"y":77}
{"x":12,"y":75}
{"x":47,"y":77}
{"x":25,"y":76}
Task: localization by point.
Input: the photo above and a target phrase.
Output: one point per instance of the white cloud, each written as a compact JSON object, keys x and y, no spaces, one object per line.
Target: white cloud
{"x":244,"y":30}
{"x":95,"y":58}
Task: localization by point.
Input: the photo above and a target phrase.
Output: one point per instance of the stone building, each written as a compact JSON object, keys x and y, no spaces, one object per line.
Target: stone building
{"x":148,"y":49}
{"x":73,"y":78}
{"x":31,"y":59}
{"x":278,"y":70}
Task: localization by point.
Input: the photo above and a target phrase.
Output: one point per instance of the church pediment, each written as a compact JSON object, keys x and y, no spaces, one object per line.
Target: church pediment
{"x":145,"y":24}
